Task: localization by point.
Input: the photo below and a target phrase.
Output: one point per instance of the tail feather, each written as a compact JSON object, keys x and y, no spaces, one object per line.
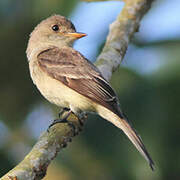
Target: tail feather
{"x":136,"y":140}
{"x":123,"y":124}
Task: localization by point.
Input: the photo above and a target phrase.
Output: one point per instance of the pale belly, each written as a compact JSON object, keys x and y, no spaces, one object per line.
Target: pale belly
{"x":58,"y":93}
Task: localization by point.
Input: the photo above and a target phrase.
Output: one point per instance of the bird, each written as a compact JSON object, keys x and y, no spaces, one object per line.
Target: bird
{"x":69,"y":80}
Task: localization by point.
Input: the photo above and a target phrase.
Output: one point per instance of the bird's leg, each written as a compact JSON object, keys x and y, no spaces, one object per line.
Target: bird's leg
{"x":81,"y":118}
{"x":62,"y":111}
{"x":63,"y":120}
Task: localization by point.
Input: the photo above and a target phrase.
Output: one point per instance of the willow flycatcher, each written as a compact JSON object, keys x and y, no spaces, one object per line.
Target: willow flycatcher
{"x":66,"y":78}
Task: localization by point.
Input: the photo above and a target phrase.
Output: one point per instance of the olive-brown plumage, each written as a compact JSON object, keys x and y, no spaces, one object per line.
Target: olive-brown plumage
{"x":66,"y":78}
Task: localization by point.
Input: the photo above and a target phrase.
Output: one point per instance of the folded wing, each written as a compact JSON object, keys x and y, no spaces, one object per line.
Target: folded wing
{"x":76,"y":72}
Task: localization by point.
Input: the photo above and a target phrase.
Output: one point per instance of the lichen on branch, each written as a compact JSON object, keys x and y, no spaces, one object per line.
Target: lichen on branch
{"x":35,"y":164}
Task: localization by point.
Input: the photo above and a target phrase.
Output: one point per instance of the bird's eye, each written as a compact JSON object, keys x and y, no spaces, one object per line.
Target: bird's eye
{"x":55,"y":27}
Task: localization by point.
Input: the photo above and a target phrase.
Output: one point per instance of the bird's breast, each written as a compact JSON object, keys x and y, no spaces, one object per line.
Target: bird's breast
{"x":53,"y":91}
{"x":58,"y":93}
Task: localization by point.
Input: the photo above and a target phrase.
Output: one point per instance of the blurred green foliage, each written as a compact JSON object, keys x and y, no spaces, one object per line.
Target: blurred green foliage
{"x":101,"y":151}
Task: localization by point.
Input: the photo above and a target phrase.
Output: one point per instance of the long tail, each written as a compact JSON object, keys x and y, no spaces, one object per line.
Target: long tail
{"x":129,"y":131}
{"x":136,"y":140}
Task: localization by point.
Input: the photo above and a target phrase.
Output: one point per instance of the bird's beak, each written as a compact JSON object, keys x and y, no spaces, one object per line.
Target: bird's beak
{"x":76,"y":35}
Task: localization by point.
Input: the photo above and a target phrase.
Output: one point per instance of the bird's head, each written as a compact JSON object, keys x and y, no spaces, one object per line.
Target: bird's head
{"x":55,"y":31}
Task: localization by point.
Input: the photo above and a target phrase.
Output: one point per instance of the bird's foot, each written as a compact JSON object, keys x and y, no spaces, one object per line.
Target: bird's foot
{"x":64,"y":120}
{"x":56,"y":121}
{"x":62,"y":111}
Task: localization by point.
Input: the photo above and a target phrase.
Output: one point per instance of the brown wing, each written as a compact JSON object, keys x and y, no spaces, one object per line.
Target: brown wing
{"x":79,"y":74}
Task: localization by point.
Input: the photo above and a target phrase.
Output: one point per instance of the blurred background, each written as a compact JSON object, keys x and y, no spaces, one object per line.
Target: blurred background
{"x":147,"y":83}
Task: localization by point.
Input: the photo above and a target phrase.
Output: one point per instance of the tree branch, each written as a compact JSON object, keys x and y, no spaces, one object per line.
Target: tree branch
{"x":35,"y":164}
{"x":120,"y":33}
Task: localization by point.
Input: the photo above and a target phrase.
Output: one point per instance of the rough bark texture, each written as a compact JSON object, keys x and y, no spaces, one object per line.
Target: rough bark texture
{"x":35,"y":164}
